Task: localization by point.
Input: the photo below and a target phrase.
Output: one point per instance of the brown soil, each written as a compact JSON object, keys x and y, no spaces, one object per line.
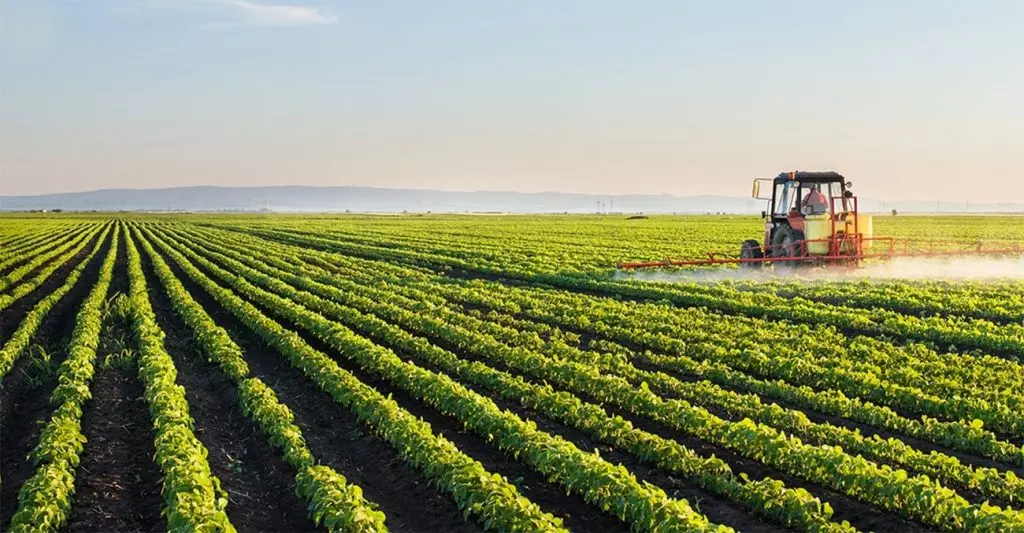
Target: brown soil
{"x":117,"y":487}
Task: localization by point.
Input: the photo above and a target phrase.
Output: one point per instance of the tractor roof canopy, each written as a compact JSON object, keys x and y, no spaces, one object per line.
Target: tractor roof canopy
{"x":810,"y":177}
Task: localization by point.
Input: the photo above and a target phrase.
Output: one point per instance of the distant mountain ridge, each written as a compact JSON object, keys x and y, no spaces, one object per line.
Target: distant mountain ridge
{"x":381,"y":200}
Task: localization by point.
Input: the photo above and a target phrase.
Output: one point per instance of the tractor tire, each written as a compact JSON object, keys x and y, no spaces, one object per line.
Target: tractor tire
{"x":751,"y":249}
{"x":788,"y":242}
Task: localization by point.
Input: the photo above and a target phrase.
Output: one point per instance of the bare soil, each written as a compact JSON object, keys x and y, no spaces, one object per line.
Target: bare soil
{"x":117,"y":487}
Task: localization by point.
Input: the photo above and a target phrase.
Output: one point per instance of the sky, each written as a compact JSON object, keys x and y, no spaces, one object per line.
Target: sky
{"x":910,"y":100}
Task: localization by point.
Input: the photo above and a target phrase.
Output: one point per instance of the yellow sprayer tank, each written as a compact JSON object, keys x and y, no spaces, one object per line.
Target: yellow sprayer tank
{"x":819,"y":228}
{"x":863,"y":225}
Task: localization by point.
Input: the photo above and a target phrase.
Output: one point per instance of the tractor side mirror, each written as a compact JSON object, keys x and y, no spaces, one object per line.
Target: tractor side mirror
{"x":849,"y":185}
{"x":756,"y":192}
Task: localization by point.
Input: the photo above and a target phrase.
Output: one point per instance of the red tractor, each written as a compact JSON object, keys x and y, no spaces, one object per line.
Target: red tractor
{"x":812,"y":217}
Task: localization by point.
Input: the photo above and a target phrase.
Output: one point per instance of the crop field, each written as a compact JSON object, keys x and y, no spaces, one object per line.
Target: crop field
{"x":469,"y":373}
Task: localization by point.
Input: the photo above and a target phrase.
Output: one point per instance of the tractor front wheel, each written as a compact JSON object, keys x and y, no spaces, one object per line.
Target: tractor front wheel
{"x":750,"y":249}
{"x":789,"y":242}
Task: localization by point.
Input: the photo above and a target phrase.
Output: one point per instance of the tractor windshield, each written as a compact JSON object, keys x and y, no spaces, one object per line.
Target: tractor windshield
{"x":806,"y":198}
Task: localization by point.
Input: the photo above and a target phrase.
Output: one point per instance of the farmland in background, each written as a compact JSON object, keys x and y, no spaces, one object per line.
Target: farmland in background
{"x":469,"y":373}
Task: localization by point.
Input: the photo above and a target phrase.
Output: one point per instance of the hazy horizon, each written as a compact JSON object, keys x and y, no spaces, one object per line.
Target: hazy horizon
{"x":425,"y":189}
{"x":909,"y":100}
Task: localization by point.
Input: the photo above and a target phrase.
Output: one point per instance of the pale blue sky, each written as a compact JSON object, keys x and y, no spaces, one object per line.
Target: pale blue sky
{"x":907,"y":98}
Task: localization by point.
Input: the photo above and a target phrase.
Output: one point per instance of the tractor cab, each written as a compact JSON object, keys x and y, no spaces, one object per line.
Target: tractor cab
{"x":810,"y":214}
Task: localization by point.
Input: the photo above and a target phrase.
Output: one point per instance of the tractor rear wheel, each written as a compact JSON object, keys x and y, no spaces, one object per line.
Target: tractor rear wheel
{"x":751,"y":249}
{"x":788,"y":242}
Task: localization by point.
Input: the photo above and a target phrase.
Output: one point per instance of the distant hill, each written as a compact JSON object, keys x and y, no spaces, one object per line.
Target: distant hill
{"x":368,"y":199}
{"x":379,"y":200}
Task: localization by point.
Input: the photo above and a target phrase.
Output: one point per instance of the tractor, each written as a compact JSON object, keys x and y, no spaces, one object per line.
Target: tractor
{"x":812,"y":217}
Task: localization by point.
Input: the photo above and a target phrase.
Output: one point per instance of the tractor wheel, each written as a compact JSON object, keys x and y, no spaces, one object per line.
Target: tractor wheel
{"x":751,"y":249}
{"x":788,"y":242}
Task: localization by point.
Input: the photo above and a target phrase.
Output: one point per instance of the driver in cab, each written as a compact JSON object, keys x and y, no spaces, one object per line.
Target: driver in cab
{"x":815,"y":202}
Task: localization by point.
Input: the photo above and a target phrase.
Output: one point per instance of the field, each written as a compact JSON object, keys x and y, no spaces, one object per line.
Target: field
{"x":468,"y":373}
